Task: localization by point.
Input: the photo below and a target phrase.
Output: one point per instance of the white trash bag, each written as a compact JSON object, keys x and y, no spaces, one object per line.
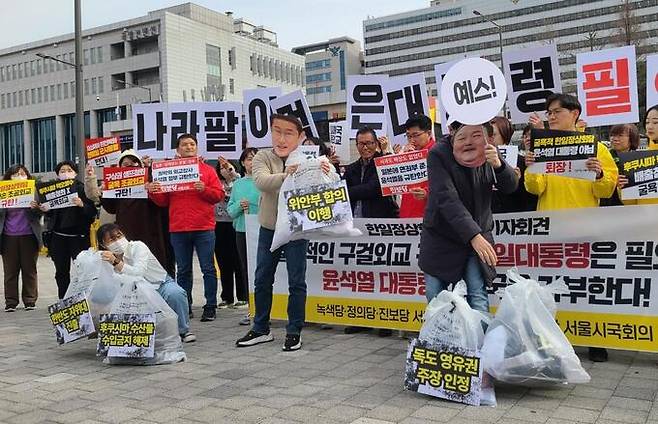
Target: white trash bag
{"x":524,"y":345}
{"x":140,"y":297}
{"x":84,"y":272}
{"x":309,"y":173}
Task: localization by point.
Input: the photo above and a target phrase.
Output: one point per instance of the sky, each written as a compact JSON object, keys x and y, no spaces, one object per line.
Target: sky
{"x":23,"y":21}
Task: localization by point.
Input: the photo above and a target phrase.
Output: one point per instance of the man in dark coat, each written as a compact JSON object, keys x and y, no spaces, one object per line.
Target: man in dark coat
{"x":456,"y":243}
{"x":362,"y":181}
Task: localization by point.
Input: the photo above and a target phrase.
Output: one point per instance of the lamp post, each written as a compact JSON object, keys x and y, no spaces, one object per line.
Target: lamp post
{"x":79,"y":99}
{"x":500,"y":38}
{"x":136,"y":86}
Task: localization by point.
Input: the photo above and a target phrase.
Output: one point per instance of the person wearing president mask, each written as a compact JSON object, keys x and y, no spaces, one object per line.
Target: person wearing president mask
{"x":67,"y":229}
{"x":456,"y":242}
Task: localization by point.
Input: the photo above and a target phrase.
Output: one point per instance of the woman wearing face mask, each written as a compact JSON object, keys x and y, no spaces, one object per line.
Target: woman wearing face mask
{"x":68,"y":228}
{"x":20,"y":240}
{"x":143,"y":220}
{"x":134,"y":259}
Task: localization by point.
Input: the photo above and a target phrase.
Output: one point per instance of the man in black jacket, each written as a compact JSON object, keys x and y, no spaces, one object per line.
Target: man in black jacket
{"x":362,"y":181}
{"x":456,"y":243}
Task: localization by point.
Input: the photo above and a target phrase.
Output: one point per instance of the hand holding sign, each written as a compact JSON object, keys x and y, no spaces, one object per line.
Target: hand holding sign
{"x":473,"y":91}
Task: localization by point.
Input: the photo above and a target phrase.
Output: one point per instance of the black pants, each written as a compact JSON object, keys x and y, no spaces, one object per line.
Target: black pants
{"x":241,"y":241}
{"x":63,"y":250}
{"x":229,"y":265}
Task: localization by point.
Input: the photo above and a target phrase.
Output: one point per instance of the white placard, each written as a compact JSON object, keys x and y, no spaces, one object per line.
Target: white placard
{"x":295,"y":104}
{"x":339,"y":138}
{"x":366,"y":103}
{"x":405,"y":96}
{"x":510,"y":153}
{"x":473,"y":91}
{"x":257,"y":112}
{"x":652,"y":80}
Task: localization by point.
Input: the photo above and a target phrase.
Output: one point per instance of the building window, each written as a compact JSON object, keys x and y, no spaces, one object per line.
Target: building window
{"x":52,"y":93}
{"x":39,"y":95}
{"x":86,"y":82}
{"x":66,"y":90}
{"x":70,"y":148}
{"x":318,"y":64}
{"x":92,"y":55}
{"x":13,"y":72}
{"x":38,"y":66}
{"x":44,"y":149}
{"x":45,"y":93}
{"x":73,"y":92}
{"x":213,"y":60}
{"x":99,"y":54}
{"x":318,"y":77}
{"x":318,"y":90}
{"x":20,"y":70}
{"x":59,"y":91}
{"x":103,"y":116}
{"x":231,"y":85}
{"x":94,"y":87}
{"x":2,"y":101}
{"x":27,"y":97}
{"x":20,"y":98}
{"x":100,"y":85}
{"x":11,"y":144}
{"x":86,"y":56}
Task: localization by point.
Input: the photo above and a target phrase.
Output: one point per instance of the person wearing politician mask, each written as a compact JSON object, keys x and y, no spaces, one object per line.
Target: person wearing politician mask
{"x":67,"y":229}
{"x":20,"y":239}
{"x":458,"y":221}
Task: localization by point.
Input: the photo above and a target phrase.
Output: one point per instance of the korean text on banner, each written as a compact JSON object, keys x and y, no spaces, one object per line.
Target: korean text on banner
{"x":532,"y":75}
{"x":652,"y":80}
{"x":607,"y":86}
{"x":176,"y":174}
{"x":446,"y":372}
{"x":406,"y":96}
{"x":57,"y":194}
{"x":339,"y":139}
{"x":510,"y":153}
{"x":562,"y":153}
{"x":398,"y":174}
{"x":71,"y":318}
{"x":366,"y":103}
{"x":103,"y":151}
{"x":126,"y":336}
{"x":257,"y":112}
{"x":125,"y":183}
{"x":216,"y":125}
{"x":295,"y":104}
{"x":641,"y":169}
{"x":16,"y":193}
{"x":318,"y":206}
{"x":440,"y":71}
{"x":606,"y":256}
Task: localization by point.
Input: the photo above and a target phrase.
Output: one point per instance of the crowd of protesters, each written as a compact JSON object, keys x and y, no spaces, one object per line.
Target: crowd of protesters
{"x":468,"y":182}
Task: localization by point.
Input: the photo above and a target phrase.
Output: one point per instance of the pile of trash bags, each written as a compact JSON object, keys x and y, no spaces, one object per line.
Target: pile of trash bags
{"x":308,"y":174}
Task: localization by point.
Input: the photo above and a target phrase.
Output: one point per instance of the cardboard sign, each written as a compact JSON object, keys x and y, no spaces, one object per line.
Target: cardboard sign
{"x":398,"y":174}
{"x":125,"y":182}
{"x":176,"y":174}
{"x":442,"y":371}
{"x":126,"y":336}
{"x":103,"y":151}
{"x":406,"y":96}
{"x":532,"y":75}
{"x":652,"y":80}
{"x":216,"y":125}
{"x":71,"y":318}
{"x":57,"y":194}
{"x":257,"y":112}
{"x":473,"y":91}
{"x":562,"y":153}
{"x":607,"y":86}
{"x":641,"y":169}
{"x":366,"y":103}
{"x":510,"y":154}
{"x":339,"y":139}
{"x":318,"y":206}
{"x":16,"y":193}
{"x":295,"y":104}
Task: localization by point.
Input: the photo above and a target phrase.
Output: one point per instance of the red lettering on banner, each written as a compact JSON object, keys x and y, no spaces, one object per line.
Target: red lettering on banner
{"x":605,"y":94}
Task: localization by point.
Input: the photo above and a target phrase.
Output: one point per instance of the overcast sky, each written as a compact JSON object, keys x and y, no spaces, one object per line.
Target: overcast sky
{"x":294,"y":21}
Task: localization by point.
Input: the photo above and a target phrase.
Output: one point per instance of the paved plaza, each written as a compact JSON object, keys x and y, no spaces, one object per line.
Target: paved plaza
{"x":335,"y":378}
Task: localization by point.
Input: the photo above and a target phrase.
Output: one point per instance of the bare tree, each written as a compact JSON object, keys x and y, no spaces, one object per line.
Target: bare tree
{"x":628,"y":25}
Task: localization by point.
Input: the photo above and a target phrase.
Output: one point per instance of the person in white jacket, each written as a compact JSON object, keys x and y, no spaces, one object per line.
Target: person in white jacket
{"x":133,"y":258}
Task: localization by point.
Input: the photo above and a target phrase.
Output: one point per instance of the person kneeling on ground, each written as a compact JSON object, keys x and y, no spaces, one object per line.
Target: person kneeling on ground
{"x":134,"y":259}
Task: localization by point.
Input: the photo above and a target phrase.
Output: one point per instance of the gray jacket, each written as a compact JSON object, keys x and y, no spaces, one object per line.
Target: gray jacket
{"x":34,"y":216}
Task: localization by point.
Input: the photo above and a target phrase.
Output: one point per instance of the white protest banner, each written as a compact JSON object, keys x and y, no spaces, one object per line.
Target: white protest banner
{"x":295,"y":104}
{"x":318,"y":206}
{"x":510,"y":153}
{"x":473,"y":91}
{"x":216,"y":125}
{"x":443,"y":371}
{"x":652,"y":80}
{"x":641,"y":169}
{"x":606,"y":256}
{"x":103,"y":151}
{"x":125,"y":183}
{"x":562,"y":153}
{"x":366,"y":103}
{"x":71,"y":318}
{"x":339,"y":138}
{"x":16,"y":193}
{"x":126,"y":336}
{"x":176,"y":174}
{"x":532,"y":75}
{"x":57,"y":194}
{"x":400,"y":173}
{"x":406,"y":96}
{"x":257,"y":112}
{"x":607,"y":86}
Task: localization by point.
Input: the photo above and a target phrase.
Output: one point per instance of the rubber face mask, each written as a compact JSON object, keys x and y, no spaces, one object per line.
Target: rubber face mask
{"x":118,"y":247}
{"x":468,"y":146}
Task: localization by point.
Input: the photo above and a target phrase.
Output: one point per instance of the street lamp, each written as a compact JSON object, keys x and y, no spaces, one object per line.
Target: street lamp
{"x":500,"y":38}
{"x":136,"y":86}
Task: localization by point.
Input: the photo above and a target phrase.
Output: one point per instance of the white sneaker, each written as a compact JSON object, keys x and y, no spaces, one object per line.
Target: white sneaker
{"x":188,"y":337}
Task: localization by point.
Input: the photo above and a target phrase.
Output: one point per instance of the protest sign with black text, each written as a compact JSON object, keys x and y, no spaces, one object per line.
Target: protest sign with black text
{"x":176,"y":174}
{"x":366,"y":103}
{"x":562,"y":153}
{"x":406,"y":96}
{"x":400,"y":173}
{"x":125,"y":182}
{"x":641,"y":169}
{"x":295,"y":104}
{"x":103,"y":151}
{"x":16,"y":193}
{"x":57,"y":194}
{"x":257,"y":112}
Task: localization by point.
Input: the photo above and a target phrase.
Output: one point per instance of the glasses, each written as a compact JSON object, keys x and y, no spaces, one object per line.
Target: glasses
{"x":554,"y":112}
{"x":366,"y":144}
{"x":415,"y":135}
